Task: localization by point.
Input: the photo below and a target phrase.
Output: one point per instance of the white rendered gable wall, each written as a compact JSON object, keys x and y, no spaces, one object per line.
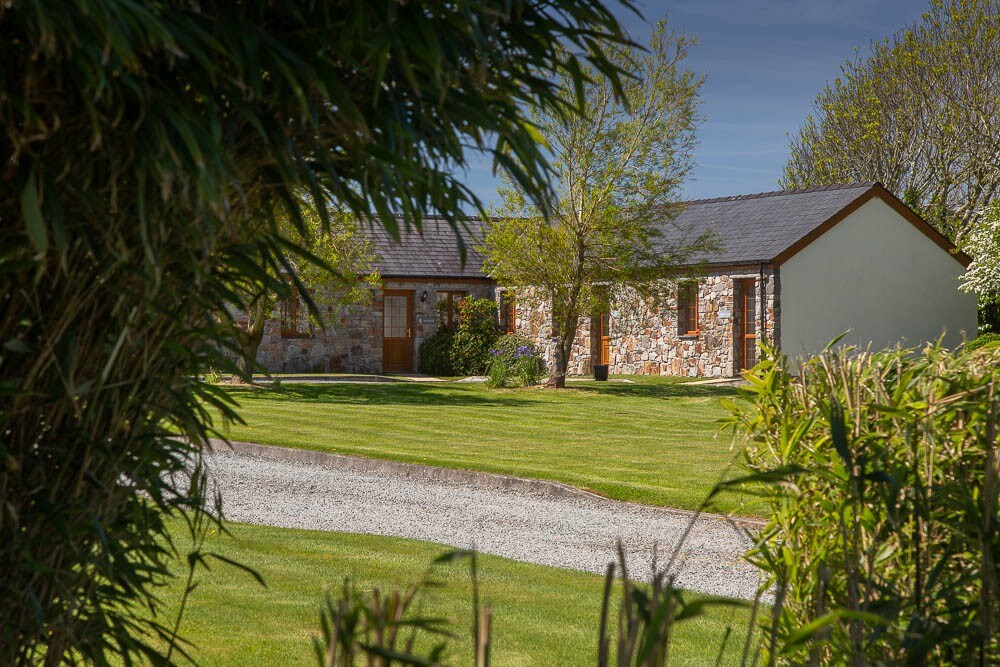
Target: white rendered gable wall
{"x":878,"y":275}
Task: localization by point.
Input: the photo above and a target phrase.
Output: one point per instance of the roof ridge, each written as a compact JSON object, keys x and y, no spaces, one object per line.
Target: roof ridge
{"x":781,"y":193}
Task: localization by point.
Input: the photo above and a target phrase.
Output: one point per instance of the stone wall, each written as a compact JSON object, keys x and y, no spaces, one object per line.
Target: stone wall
{"x":352,"y":339}
{"x":644,"y":337}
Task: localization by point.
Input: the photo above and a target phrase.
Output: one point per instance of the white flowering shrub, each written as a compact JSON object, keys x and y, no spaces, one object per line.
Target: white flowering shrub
{"x":983,"y":245}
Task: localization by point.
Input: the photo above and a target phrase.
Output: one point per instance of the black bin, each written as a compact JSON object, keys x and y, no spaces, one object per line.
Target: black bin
{"x":601,"y":372}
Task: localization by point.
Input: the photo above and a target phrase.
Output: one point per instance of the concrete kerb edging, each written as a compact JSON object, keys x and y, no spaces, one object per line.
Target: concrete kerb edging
{"x":453,"y":475}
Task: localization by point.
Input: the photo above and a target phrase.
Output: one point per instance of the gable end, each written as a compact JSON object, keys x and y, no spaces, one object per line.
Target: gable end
{"x":877,"y":190}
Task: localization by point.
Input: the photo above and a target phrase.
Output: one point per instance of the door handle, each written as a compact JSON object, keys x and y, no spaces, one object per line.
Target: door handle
{"x":409,"y":333}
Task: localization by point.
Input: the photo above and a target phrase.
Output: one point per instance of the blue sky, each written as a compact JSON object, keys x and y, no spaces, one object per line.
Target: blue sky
{"x":764,"y":62}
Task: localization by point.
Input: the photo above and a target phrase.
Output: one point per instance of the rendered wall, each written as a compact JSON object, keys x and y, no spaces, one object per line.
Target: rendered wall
{"x":878,"y":275}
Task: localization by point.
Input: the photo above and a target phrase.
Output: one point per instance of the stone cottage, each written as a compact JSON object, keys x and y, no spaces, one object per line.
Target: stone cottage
{"x":423,"y":278}
{"x":794,"y":268}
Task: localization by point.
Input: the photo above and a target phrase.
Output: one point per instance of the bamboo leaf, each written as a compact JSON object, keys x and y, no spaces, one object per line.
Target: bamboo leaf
{"x":31,"y":213}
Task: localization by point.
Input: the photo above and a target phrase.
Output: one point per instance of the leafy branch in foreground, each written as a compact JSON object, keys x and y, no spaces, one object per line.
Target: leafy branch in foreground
{"x":338,"y":270}
{"x":149,"y":151}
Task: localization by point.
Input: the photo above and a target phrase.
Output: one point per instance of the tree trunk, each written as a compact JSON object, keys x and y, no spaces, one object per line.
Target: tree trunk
{"x":557,"y":376}
{"x":250,"y":339}
{"x":564,"y":348}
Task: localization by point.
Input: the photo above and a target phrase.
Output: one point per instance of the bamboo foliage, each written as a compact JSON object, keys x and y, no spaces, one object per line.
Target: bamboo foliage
{"x":148,"y":149}
{"x":882,"y":544}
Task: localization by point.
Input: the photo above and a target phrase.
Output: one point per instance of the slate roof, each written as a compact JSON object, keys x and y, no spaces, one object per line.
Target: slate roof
{"x":432,"y":254}
{"x":749,"y":229}
{"x":759,"y":227}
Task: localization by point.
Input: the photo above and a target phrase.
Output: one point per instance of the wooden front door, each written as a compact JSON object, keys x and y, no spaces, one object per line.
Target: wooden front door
{"x":397,"y":331}
{"x":602,"y":329}
{"x":746,"y":346}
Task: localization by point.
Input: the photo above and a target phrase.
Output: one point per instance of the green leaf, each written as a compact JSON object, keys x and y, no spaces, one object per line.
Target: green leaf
{"x":17,"y":345}
{"x":31,"y":211}
{"x":246,"y":568}
{"x":838,"y":432}
{"x":809,"y":630}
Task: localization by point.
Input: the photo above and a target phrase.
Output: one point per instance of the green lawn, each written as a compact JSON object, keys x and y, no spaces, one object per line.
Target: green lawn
{"x":653,"y":441}
{"x":542,"y":615}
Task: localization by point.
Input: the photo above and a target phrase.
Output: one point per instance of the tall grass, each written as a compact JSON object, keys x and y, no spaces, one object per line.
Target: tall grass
{"x":636,"y":627}
{"x":880,"y":471}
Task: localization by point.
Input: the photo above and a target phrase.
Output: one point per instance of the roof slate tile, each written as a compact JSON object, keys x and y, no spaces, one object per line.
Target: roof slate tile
{"x":758,"y":227}
{"x":431,"y":253}
{"x":748,"y":229}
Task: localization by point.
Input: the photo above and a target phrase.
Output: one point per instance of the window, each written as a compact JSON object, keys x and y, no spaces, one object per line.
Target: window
{"x":294,"y":318}
{"x":508,"y":312}
{"x":687,"y":309}
{"x":448,"y":303}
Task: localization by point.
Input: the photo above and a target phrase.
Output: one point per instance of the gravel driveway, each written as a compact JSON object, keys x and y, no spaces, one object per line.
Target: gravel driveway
{"x":577,"y":532}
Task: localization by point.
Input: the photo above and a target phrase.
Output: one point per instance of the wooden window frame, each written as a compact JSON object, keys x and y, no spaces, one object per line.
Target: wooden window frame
{"x":687,"y":309}
{"x":290,"y":318}
{"x":450,"y":313}
{"x":508,"y":312}
{"x":749,"y":341}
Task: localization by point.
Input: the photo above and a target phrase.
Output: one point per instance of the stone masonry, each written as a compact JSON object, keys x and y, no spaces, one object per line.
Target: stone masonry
{"x":644,"y":337}
{"x":352,"y":340}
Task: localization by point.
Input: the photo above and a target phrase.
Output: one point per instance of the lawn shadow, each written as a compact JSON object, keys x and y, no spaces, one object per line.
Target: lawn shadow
{"x":661,"y":390}
{"x":388,"y":393}
{"x":471,"y":395}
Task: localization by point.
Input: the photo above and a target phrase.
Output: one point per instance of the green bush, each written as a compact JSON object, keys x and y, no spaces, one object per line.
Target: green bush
{"x":475,"y":335}
{"x":882,"y":474}
{"x":435,"y":354}
{"x":985,"y":339}
{"x":515,"y":357}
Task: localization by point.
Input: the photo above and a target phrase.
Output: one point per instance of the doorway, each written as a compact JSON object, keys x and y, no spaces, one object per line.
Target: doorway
{"x":601,"y":327}
{"x":397,"y":331}
{"x":746,"y":338}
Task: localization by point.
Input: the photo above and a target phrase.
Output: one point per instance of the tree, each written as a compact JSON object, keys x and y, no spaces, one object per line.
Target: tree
{"x":150,"y":150}
{"x":617,"y":174}
{"x":919,"y":114}
{"x":340,"y":269}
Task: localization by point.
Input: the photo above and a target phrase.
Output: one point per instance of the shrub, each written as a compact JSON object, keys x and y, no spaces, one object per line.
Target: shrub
{"x":435,"y":354}
{"x":986,"y":339}
{"x":475,"y":335}
{"x":515,"y":357}
{"x":883,"y":486}
{"x":529,"y":369}
{"x":364,"y":627}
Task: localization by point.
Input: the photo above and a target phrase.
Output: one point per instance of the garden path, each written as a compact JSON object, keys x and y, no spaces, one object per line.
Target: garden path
{"x":522,"y":524}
